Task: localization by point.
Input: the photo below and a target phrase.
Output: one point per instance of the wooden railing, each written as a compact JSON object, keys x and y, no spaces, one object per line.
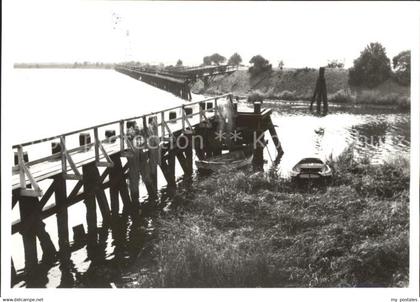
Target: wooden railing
{"x":159,"y":118}
{"x":186,"y":73}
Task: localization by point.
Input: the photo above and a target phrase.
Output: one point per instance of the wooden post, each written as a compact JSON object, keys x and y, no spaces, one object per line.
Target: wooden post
{"x":202,"y":113}
{"x":89,"y":184}
{"x":134,"y":168}
{"x":171,"y":167}
{"x":183,"y":118}
{"x":154,"y":153}
{"x":258,"y":159}
{"x":276,"y":141}
{"x":93,"y":174}
{"x":62,"y":215}
{"x":13,"y":276}
{"x":102,"y":200}
{"x":122,"y":136}
{"x":146,"y":174}
{"x":320,"y":93}
{"x":114,"y":178}
{"x":32,"y":227}
{"x":257,"y":107}
{"x":118,"y":184}
{"x":189,"y":154}
{"x":27,"y":208}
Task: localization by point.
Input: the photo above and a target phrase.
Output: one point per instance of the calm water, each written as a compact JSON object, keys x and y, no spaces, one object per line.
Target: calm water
{"x":377,"y":134}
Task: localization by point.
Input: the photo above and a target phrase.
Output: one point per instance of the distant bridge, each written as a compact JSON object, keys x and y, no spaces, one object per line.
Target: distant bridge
{"x":178,"y":80}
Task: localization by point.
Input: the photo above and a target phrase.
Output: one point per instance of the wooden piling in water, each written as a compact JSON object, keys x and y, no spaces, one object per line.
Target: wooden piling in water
{"x":153,"y":153}
{"x":33,"y":227}
{"x":258,"y":159}
{"x":114,"y":188}
{"x":60,"y":190}
{"x":118,"y":185}
{"x":171,"y":167}
{"x":90,"y":203}
{"x":62,"y":216}
{"x":134,"y":168}
{"x":320,"y":93}
{"x":27,"y":207}
{"x":13,"y":276}
{"x":189,"y":154}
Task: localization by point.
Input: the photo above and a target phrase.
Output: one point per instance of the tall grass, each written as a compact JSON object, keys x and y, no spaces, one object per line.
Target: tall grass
{"x":370,"y":97}
{"x":255,"y":230}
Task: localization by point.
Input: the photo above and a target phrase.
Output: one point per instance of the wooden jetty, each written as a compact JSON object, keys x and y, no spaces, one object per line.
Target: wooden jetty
{"x":128,"y":150}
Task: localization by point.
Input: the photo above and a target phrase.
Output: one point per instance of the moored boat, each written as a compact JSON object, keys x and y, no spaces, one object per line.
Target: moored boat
{"x":311,"y":168}
{"x":225,"y":162}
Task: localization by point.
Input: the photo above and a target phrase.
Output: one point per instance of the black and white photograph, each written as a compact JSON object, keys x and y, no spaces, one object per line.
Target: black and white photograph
{"x":172,"y":149}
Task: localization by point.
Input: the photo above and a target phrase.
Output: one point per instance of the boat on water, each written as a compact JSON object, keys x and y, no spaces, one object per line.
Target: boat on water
{"x":225,"y":162}
{"x":311,"y":168}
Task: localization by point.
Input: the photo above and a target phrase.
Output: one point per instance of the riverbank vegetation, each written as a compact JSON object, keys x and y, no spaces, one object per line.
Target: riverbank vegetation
{"x":370,"y":80}
{"x":245,"y":229}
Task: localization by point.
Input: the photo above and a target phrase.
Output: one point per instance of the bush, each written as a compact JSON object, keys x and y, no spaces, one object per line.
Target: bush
{"x":402,"y":66}
{"x":342,"y":96}
{"x":375,"y":98}
{"x":260,"y":64}
{"x":255,"y":97}
{"x":235,"y":59}
{"x":287,"y":95}
{"x":371,"y":68}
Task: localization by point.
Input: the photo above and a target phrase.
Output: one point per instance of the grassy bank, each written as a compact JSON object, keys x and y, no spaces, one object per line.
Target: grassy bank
{"x":254,"y":230}
{"x":371,"y":97}
{"x":299,"y":84}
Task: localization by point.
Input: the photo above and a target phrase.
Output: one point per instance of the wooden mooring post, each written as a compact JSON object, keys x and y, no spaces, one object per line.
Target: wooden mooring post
{"x":320,"y":93}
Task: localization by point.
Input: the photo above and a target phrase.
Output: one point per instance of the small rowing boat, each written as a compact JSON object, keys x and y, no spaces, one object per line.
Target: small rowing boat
{"x":225,"y":162}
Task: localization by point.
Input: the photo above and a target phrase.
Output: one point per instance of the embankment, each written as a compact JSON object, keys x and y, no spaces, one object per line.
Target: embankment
{"x":299,"y":84}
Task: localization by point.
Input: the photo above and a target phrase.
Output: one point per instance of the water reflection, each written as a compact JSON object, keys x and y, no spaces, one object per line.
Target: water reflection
{"x":377,"y":134}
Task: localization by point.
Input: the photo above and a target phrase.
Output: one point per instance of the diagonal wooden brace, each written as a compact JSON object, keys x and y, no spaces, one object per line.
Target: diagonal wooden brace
{"x":185,"y":119}
{"x":99,"y":146}
{"x":65,"y":157}
{"x":24,"y":171}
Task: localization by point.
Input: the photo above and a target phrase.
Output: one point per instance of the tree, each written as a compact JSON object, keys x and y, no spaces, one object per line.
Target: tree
{"x":217,"y":59}
{"x":402,"y":66}
{"x":235,"y":59}
{"x":281,"y":65}
{"x":260,"y":64}
{"x":335,"y":64}
{"x":207,"y":60}
{"x":371,"y":68}
{"x":179,"y":63}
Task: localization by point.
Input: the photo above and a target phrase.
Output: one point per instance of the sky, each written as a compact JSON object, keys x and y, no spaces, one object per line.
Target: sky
{"x":300,"y":34}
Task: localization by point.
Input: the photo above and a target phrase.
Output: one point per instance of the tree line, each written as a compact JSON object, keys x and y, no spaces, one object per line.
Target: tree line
{"x":370,"y":69}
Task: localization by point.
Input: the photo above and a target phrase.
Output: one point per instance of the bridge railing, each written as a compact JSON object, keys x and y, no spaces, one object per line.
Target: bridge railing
{"x":163,"y":120}
{"x":186,"y":73}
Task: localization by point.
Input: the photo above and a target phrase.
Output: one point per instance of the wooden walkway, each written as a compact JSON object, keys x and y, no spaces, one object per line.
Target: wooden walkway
{"x":101,"y":148}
